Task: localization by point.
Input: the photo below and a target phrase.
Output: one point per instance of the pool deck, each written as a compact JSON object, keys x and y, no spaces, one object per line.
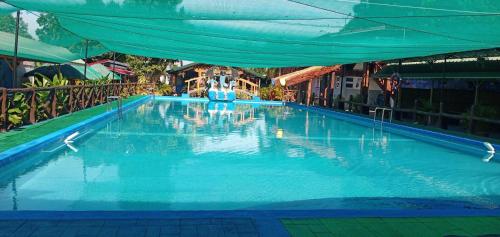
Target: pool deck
{"x":239,"y":223}
{"x":124,"y":224}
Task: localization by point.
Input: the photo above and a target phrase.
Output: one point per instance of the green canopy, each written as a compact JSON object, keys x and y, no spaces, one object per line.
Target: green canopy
{"x":92,"y":74}
{"x":263,"y":33}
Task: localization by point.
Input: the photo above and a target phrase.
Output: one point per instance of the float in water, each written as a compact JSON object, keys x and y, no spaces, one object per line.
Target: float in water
{"x":222,"y":84}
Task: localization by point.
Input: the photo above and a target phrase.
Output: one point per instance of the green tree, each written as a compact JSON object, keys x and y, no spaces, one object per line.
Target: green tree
{"x":8,"y":24}
{"x":145,"y":68}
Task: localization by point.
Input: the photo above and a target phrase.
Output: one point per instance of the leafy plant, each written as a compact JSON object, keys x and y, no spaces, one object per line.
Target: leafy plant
{"x":19,"y":110}
{"x":271,"y":93}
{"x":165,"y":89}
{"x":42,"y":81}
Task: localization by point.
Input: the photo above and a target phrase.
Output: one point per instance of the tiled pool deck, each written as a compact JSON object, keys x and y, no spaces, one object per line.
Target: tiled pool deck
{"x":246,"y":227}
{"x":276,"y":224}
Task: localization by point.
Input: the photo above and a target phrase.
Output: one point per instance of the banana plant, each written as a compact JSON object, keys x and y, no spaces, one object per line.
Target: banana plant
{"x":18,"y":111}
{"x":42,"y":81}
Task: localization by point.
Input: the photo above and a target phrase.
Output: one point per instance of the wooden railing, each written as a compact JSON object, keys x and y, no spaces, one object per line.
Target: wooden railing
{"x":435,"y":118}
{"x":22,"y":106}
{"x":196,"y":87}
{"x":248,"y":86}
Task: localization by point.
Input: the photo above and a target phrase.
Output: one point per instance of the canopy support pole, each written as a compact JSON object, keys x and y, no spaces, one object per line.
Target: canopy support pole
{"x":114,"y":61}
{"x":85,"y":60}
{"x":16,"y":47}
{"x":398,"y":101}
{"x":309,"y":92}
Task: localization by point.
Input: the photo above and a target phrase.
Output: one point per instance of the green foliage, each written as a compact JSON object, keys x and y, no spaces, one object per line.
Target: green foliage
{"x":42,"y":81}
{"x":145,"y":68}
{"x":165,"y":89}
{"x":486,"y":111}
{"x":101,"y":81}
{"x":8,"y":24}
{"x":271,"y":93}
{"x":19,"y":110}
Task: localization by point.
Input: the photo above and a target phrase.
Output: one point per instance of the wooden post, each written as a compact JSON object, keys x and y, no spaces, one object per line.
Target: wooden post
{"x":4,"y":109}
{"x":198,"y":92}
{"x":440,"y":118}
{"x":70,"y":100}
{"x":473,"y":107}
{"x":471,"y":120}
{"x":415,"y":110}
{"x":53,"y":112}
{"x":309,"y":92}
{"x":33,"y":107}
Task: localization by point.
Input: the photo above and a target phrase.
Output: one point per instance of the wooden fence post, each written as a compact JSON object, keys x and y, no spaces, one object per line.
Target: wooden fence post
{"x":415,"y":102}
{"x":4,"y":109}
{"x":470,"y":129}
{"x":440,"y":117}
{"x":53,"y":112}
{"x":70,"y":101}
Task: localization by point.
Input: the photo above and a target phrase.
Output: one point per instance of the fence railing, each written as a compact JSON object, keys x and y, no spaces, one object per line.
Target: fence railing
{"x":22,"y":106}
{"x":425,"y":117}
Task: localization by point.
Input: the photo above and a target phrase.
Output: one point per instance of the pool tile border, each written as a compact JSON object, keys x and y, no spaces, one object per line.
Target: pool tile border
{"x":402,"y":129}
{"x":15,"y":153}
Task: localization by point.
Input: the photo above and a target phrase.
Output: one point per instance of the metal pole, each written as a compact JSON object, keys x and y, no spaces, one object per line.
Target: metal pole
{"x":16,"y":46}
{"x":85,"y":60}
{"x":442,"y":81}
{"x":114,"y":60}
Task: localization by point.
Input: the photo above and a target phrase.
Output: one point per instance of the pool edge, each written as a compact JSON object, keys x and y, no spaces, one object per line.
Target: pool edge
{"x":14,"y":153}
{"x":393,"y":127}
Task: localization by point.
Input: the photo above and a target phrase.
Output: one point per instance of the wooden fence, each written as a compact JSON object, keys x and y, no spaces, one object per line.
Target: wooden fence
{"x":22,"y":106}
{"x":436,"y":118}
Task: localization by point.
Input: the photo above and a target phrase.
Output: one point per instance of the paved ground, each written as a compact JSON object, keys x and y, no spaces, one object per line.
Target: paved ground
{"x":241,"y":227}
{"x":247,"y":227}
{"x":418,"y":227}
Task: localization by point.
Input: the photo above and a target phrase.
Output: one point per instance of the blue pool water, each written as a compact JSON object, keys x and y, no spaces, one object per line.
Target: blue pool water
{"x":170,"y":155}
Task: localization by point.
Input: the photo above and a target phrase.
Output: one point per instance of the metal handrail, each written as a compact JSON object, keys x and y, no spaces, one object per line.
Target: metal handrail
{"x":383,"y":114}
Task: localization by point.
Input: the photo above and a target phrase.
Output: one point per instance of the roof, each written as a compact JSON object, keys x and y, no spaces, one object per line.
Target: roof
{"x":303,"y":75}
{"x":35,"y":50}
{"x":104,"y":71}
{"x":473,"y":70}
{"x":184,"y":67}
{"x":92,"y":74}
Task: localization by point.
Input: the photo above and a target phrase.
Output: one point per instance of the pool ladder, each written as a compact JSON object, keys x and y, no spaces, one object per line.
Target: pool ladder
{"x":110,"y":99}
{"x":383,"y":114}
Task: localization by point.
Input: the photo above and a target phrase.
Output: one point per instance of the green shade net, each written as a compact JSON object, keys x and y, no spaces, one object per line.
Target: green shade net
{"x":263,"y":33}
{"x":92,"y":74}
{"x":42,"y":38}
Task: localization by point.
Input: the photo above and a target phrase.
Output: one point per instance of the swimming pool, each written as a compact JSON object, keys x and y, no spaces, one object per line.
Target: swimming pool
{"x":181,"y":155}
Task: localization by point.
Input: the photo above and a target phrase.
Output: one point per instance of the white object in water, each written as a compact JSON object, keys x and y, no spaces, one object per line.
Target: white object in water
{"x":488,"y":157}
{"x":489,"y":147}
{"x":69,"y":139}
